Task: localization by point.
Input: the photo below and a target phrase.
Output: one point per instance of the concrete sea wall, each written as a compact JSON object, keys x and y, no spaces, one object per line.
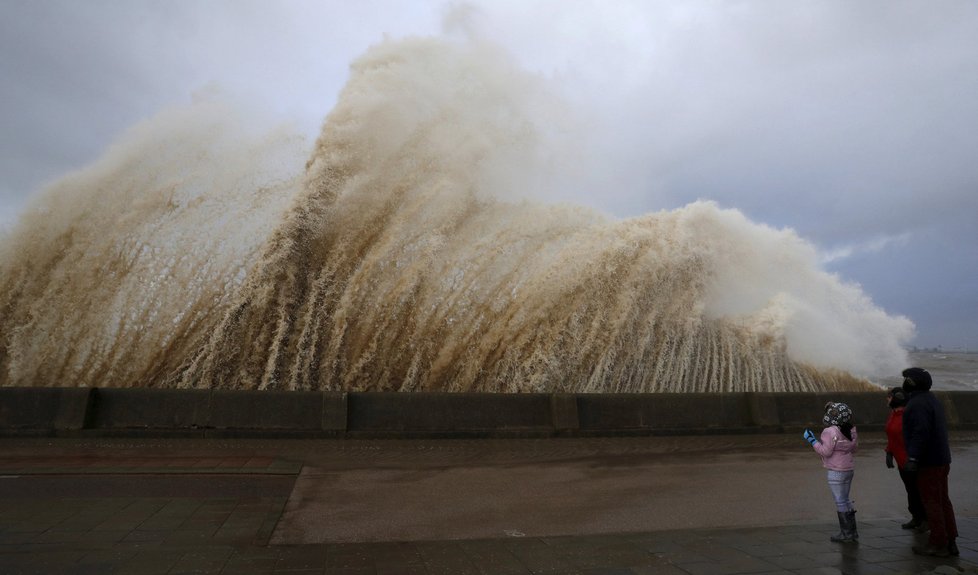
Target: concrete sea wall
{"x":222,"y":413}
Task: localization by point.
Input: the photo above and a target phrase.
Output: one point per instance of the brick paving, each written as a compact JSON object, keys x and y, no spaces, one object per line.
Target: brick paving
{"x":174,"y":507}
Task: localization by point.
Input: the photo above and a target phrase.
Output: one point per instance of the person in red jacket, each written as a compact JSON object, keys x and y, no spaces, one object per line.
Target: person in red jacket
{"x":896,"y":450}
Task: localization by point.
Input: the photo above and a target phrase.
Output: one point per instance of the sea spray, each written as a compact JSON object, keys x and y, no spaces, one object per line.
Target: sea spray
{"x":114,"y":273}
{"x":409,"y":255}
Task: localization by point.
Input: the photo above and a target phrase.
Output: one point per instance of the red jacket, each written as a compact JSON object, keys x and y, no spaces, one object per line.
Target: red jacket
{"x":894,"y":437}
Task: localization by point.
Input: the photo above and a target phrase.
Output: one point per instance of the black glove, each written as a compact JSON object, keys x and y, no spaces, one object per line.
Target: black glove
{"x":911,"y":465}
{"x":889,"y":460}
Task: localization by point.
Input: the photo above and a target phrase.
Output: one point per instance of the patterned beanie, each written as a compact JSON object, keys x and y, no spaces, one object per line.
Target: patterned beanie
{"x":837,"y":414}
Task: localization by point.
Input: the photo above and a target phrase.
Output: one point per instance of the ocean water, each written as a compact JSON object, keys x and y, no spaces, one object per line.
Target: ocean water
{"x":951,"y":370}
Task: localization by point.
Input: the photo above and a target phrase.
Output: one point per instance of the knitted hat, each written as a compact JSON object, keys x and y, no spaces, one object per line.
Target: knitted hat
{"x":916,"y":379}
{"x":837,"y":414}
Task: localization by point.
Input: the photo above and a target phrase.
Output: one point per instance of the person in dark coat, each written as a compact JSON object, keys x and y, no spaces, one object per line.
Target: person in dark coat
{"x":929,"y":455}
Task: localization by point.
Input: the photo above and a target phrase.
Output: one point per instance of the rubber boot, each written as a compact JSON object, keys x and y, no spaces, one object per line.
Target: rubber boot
{"x":851,"y":520}
{"x":847,"y":525}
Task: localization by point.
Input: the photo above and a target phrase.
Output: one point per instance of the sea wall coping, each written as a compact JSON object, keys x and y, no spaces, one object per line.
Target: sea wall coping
{"x":191,"y":412}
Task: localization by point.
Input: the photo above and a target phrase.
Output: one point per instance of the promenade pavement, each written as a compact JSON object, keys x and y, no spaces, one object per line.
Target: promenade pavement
{"x":577,"y":506}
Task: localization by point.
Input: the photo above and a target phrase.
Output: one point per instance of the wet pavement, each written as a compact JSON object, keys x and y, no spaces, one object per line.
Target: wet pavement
{"x":594,"y":506}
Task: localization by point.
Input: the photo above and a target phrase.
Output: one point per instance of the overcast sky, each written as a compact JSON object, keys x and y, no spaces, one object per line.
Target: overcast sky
{"x":854,"y":123}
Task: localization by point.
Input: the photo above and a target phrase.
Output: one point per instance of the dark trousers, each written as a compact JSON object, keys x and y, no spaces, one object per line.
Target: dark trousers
{"x":932,"y":483}
{"x":914,"y":504}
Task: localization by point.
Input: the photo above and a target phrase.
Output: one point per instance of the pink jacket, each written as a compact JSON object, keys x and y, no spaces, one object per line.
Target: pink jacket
{"x":838,"y":453}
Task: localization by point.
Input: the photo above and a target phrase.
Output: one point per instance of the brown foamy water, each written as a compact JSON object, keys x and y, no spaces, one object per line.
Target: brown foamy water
{"x":404,"y":255}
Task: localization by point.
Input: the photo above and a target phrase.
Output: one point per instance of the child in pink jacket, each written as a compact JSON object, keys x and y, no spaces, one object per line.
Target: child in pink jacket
{"x":837,"y":446}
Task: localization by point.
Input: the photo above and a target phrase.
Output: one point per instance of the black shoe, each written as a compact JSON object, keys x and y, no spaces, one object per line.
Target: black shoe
{"x":931,"y":551}
{"x":952,"y":548}
{"x":912,"y":524}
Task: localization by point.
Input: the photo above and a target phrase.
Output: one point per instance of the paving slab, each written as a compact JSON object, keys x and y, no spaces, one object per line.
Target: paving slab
{"x":597,"y":506}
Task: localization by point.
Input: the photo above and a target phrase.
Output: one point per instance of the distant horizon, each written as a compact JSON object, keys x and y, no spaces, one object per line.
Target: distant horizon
{"x":940,"y":349}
